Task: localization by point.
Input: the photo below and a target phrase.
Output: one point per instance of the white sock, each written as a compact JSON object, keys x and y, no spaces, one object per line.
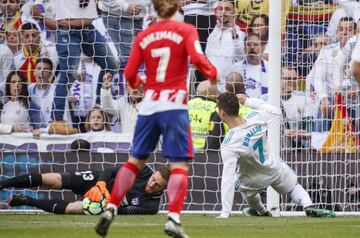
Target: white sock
{"x":300,"y":196}
{"x":175,"y":216}
{"x":113,"y":206}
{"x":255,"y":203}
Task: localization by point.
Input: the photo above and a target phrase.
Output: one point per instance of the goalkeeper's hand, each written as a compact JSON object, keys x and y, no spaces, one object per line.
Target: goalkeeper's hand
{"x":97,"y":192}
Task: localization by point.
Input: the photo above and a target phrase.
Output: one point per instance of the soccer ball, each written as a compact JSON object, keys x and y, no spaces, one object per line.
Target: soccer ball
{"x":93,"y":208}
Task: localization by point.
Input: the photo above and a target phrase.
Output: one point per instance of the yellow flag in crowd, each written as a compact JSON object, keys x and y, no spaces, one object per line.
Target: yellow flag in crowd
{"x":341,"y":137}
{"x":246,"y":9}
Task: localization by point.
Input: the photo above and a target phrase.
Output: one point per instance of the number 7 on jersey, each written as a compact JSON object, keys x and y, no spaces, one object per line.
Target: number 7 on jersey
{"x":164,"y":54}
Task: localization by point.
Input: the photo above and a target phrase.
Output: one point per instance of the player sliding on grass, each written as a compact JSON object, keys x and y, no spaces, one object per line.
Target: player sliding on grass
{"x":164,"y":47}
{"x":245,"y":149}
{"x":144,"y":198}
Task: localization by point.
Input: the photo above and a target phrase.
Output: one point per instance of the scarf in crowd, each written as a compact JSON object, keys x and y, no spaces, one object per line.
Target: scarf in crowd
{"x":15,"y":22}
{"x":29,"y":65}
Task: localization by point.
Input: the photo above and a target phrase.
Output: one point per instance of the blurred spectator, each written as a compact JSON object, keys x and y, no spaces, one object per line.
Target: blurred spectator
{"x":33,"y":48}
{"x":123,"y":107}
{"x":253,"y":68}
{"x":18,"y":112}
{"x":43,"y":91}
{"x":260,"y":25}
{"x":328,"y":73}
{"x":76,"y":34}
{"x":11,"y":15}
{"x":13,"y":40}
{"x":82,"y":94}
{"x":200,"y":14}
{"x":225,"y":44}
{"x":5,"y":67}
{"x":308,"y":56}
{"x":124,"y":19}
{"x":37,"y":11}
{"x":97,"y":120}
{"x":246,"y":9}
{"x":235,"y":83}
{"x":206,"y":127}
{"x":348,"y":8}
{"x":43,"y":11}
{"x":295,"y":109}
{"x":6,"y":62}
{"x":356,"y":61}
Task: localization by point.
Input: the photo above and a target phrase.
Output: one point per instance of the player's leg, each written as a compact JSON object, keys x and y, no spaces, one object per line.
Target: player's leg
{"x":56,"y":206}
{"x":301,"y":197}
{"x":176,"y":191}
{"x":146,"y":136}
{"x":287,"y":183}
{"x":124,"y":181}
{"x":79,"y":181}
{"x":49,"y":180}
{"x":256,"y":207}
{"x":177,"y":146}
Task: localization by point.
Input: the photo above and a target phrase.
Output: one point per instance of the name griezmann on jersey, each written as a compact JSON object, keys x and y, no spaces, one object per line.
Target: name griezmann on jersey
{"x":160,"y":35}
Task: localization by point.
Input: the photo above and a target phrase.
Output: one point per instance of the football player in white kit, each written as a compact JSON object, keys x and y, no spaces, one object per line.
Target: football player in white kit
{"x":245,"y":153}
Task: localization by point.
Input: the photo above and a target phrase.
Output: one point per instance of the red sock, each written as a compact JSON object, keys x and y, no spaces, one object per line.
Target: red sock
{"x":176,"y":189}
{"x":125,"y":179}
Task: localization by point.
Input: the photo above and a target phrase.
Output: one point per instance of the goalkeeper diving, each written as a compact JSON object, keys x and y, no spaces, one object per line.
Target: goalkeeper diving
{"x":143,"y":199}
{"x":246,"y":155}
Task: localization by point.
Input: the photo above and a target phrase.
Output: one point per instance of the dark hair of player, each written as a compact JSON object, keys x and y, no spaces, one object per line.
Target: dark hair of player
{"x":164,"y":172}
{"x":229,"y":103}
{"x":166,"y":8}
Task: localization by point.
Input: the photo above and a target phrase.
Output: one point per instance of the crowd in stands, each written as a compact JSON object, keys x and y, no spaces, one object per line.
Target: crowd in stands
{"x":62,"y":61}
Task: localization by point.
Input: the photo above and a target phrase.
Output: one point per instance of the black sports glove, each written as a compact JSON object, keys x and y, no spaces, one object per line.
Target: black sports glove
{"x":83,"y":3}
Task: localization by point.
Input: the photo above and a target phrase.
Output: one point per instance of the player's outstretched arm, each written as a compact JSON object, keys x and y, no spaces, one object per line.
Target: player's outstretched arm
{"x":97,"y":192}
{"x":229,"y":159}
{"x":268,"y":112}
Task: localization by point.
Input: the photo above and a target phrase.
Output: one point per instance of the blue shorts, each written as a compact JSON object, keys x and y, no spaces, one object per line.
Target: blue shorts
{"x":173,"y":125}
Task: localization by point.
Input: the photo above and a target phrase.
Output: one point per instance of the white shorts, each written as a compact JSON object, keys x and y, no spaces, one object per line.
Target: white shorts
{"x":286,"y":181}
{"x":283,"y":184}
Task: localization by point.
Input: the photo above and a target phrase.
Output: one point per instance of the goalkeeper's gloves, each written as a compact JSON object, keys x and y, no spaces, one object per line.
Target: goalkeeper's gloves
{"x":97,"y":192}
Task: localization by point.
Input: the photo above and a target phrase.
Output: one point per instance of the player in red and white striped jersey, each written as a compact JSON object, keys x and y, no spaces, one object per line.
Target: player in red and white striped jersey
{"x":164,"y":48}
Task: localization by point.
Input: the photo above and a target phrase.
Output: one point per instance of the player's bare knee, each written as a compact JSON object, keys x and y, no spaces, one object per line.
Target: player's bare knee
{"x":51,"y":180}
{"x":74,"y":208}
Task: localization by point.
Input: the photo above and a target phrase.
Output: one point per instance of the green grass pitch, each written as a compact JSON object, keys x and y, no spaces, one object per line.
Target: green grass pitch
{"x":202,"y":226}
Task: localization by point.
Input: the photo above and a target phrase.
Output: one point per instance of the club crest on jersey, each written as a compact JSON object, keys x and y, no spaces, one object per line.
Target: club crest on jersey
{"x":251,"y":83}
{"x":135,"y":201}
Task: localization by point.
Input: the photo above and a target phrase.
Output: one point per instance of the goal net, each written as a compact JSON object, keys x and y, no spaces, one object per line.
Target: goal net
{"x":319,"y":96}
